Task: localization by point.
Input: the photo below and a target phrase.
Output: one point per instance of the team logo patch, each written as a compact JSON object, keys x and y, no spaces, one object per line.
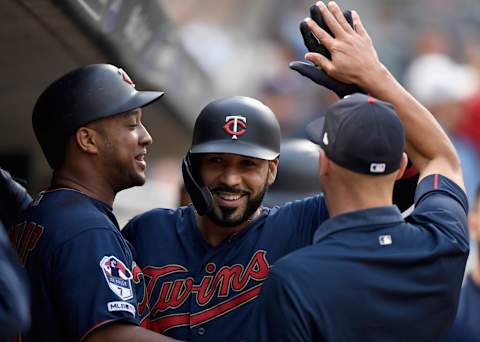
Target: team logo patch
{"x":121,"y":306}
{"x":125,"y":77}
{"x":236,"y":125}
{"x":118,"y":277}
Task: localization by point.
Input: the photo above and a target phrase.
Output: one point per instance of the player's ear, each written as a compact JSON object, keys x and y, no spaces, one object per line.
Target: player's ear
{"x":324,"y":163}
{"x":87,"y":140}
{"x":403,"y":166}
{"x":272,"y":171}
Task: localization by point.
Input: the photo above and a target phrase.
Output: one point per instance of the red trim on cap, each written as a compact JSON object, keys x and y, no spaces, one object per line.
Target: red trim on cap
{"x":372,"y":100}
{"x":435,"y":182}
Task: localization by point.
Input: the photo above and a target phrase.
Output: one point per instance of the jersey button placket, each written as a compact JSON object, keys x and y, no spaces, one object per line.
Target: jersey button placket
{"x":201,"y":331}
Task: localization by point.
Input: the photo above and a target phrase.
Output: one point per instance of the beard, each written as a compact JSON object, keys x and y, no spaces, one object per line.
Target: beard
{"x":228,"y":217}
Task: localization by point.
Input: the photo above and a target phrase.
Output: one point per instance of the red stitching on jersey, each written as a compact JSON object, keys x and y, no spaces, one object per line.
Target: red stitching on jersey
{"x":177,"y":320}
{"x":225,"y":307}
{"x":435,"y":182}
{"x":168,"y":322}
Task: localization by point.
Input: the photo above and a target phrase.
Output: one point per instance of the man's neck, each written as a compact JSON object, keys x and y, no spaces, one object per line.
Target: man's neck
{"x":86,"y":185}
{"x":346,"y":199}
{"x":215,"y":234}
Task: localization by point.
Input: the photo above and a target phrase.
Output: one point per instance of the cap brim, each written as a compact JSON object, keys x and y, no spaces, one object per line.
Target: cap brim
{"x":314,"y":130}
{"x":144,"y":98}
{"x":235,"y":147}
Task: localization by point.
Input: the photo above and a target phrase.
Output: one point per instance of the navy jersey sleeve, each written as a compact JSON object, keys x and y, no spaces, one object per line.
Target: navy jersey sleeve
{"x":94,"y":284}
{"x":278,"y":315}
{"x":14,"y":291}
{"x":442,"y":204}
{"x":128,"y":231}
{"x":302,"y":217}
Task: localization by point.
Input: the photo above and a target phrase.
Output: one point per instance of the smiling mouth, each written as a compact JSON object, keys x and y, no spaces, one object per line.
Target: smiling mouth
{"x":140,"y":159}
{"x":229,"y":196}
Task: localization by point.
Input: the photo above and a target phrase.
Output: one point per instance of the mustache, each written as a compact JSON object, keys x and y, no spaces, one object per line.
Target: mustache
{"x":225,"y":188}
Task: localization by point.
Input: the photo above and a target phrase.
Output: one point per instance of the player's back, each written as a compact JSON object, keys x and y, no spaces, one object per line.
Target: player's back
{"x":371,"y":275}
{"x":44,"y":237}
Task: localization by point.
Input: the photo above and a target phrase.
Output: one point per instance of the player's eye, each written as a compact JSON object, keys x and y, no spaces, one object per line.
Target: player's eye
{"x":215,"y":160}
{"x":248,"y":162}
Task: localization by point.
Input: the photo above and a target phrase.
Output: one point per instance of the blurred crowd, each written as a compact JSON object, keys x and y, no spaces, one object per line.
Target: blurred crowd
{"x":245,"y":47}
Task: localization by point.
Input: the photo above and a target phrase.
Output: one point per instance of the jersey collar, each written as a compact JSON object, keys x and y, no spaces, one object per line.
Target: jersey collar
{"x":361,"y":219}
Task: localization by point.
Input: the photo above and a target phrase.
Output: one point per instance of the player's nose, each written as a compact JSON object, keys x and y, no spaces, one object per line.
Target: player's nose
{"x":145,"y":137}
{"x":231,"y":177}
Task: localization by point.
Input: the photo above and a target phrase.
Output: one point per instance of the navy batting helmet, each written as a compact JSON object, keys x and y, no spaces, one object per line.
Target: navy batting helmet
{"x":81,"y":96}
{"x":298,"y":173}
{"x":234,"y":125}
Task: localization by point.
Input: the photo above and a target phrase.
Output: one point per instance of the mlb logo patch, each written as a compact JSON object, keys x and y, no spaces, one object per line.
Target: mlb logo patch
{"x":377,"y":167}
{"x":385,"y":240}
{"x":118,"y":277}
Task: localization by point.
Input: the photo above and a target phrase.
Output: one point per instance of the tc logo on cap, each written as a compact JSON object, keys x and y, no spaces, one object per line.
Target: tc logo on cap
{"x":236,"y":125}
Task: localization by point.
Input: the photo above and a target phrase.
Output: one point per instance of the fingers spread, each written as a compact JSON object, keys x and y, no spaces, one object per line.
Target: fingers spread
{"x":330,"y":20}
{"x":320,"y":61}
{"x":339,"y":16}
{"x":321,"y":35}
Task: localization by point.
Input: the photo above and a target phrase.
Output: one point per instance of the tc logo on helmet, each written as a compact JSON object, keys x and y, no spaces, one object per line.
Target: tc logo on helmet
{"x":125,"y":77}
{"x":236,"y":125}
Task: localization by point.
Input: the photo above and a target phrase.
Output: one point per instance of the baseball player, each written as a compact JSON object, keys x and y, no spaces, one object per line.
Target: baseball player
{"x":204,"y":264}
{"x":85,"y":284}
{"x":371,"y":275}
{"x":14,"y":294}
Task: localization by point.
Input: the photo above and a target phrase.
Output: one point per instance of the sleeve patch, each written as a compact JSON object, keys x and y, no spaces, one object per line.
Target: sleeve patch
{"x":118,"y":277}
{"x":121,"y":306}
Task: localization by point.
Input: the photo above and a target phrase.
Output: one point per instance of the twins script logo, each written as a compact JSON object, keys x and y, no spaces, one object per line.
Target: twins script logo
{"x":238,"y":284}
{"x":236,"y":125}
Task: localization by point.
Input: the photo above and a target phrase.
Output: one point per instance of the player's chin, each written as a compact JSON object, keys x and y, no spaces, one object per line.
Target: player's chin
{"x":232,"y":217}
{"x":138,"y":178}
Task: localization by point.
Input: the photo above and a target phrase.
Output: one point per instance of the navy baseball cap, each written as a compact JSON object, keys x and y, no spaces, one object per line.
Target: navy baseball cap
{"x":361,"y":134}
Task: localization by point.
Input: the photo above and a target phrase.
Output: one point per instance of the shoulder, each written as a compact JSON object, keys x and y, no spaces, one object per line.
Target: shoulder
{"x":157,"y":219}
{"x":441,"y":206}
{"x":314,"y":205}
{"x":442,"y":192}
{"x":62,"y":215}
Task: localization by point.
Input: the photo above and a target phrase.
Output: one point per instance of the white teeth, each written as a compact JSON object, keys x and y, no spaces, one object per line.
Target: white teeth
{"x":230,"y":197}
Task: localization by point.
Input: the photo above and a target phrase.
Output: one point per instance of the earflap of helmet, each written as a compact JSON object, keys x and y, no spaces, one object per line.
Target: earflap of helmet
{"x":202,"y":198}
